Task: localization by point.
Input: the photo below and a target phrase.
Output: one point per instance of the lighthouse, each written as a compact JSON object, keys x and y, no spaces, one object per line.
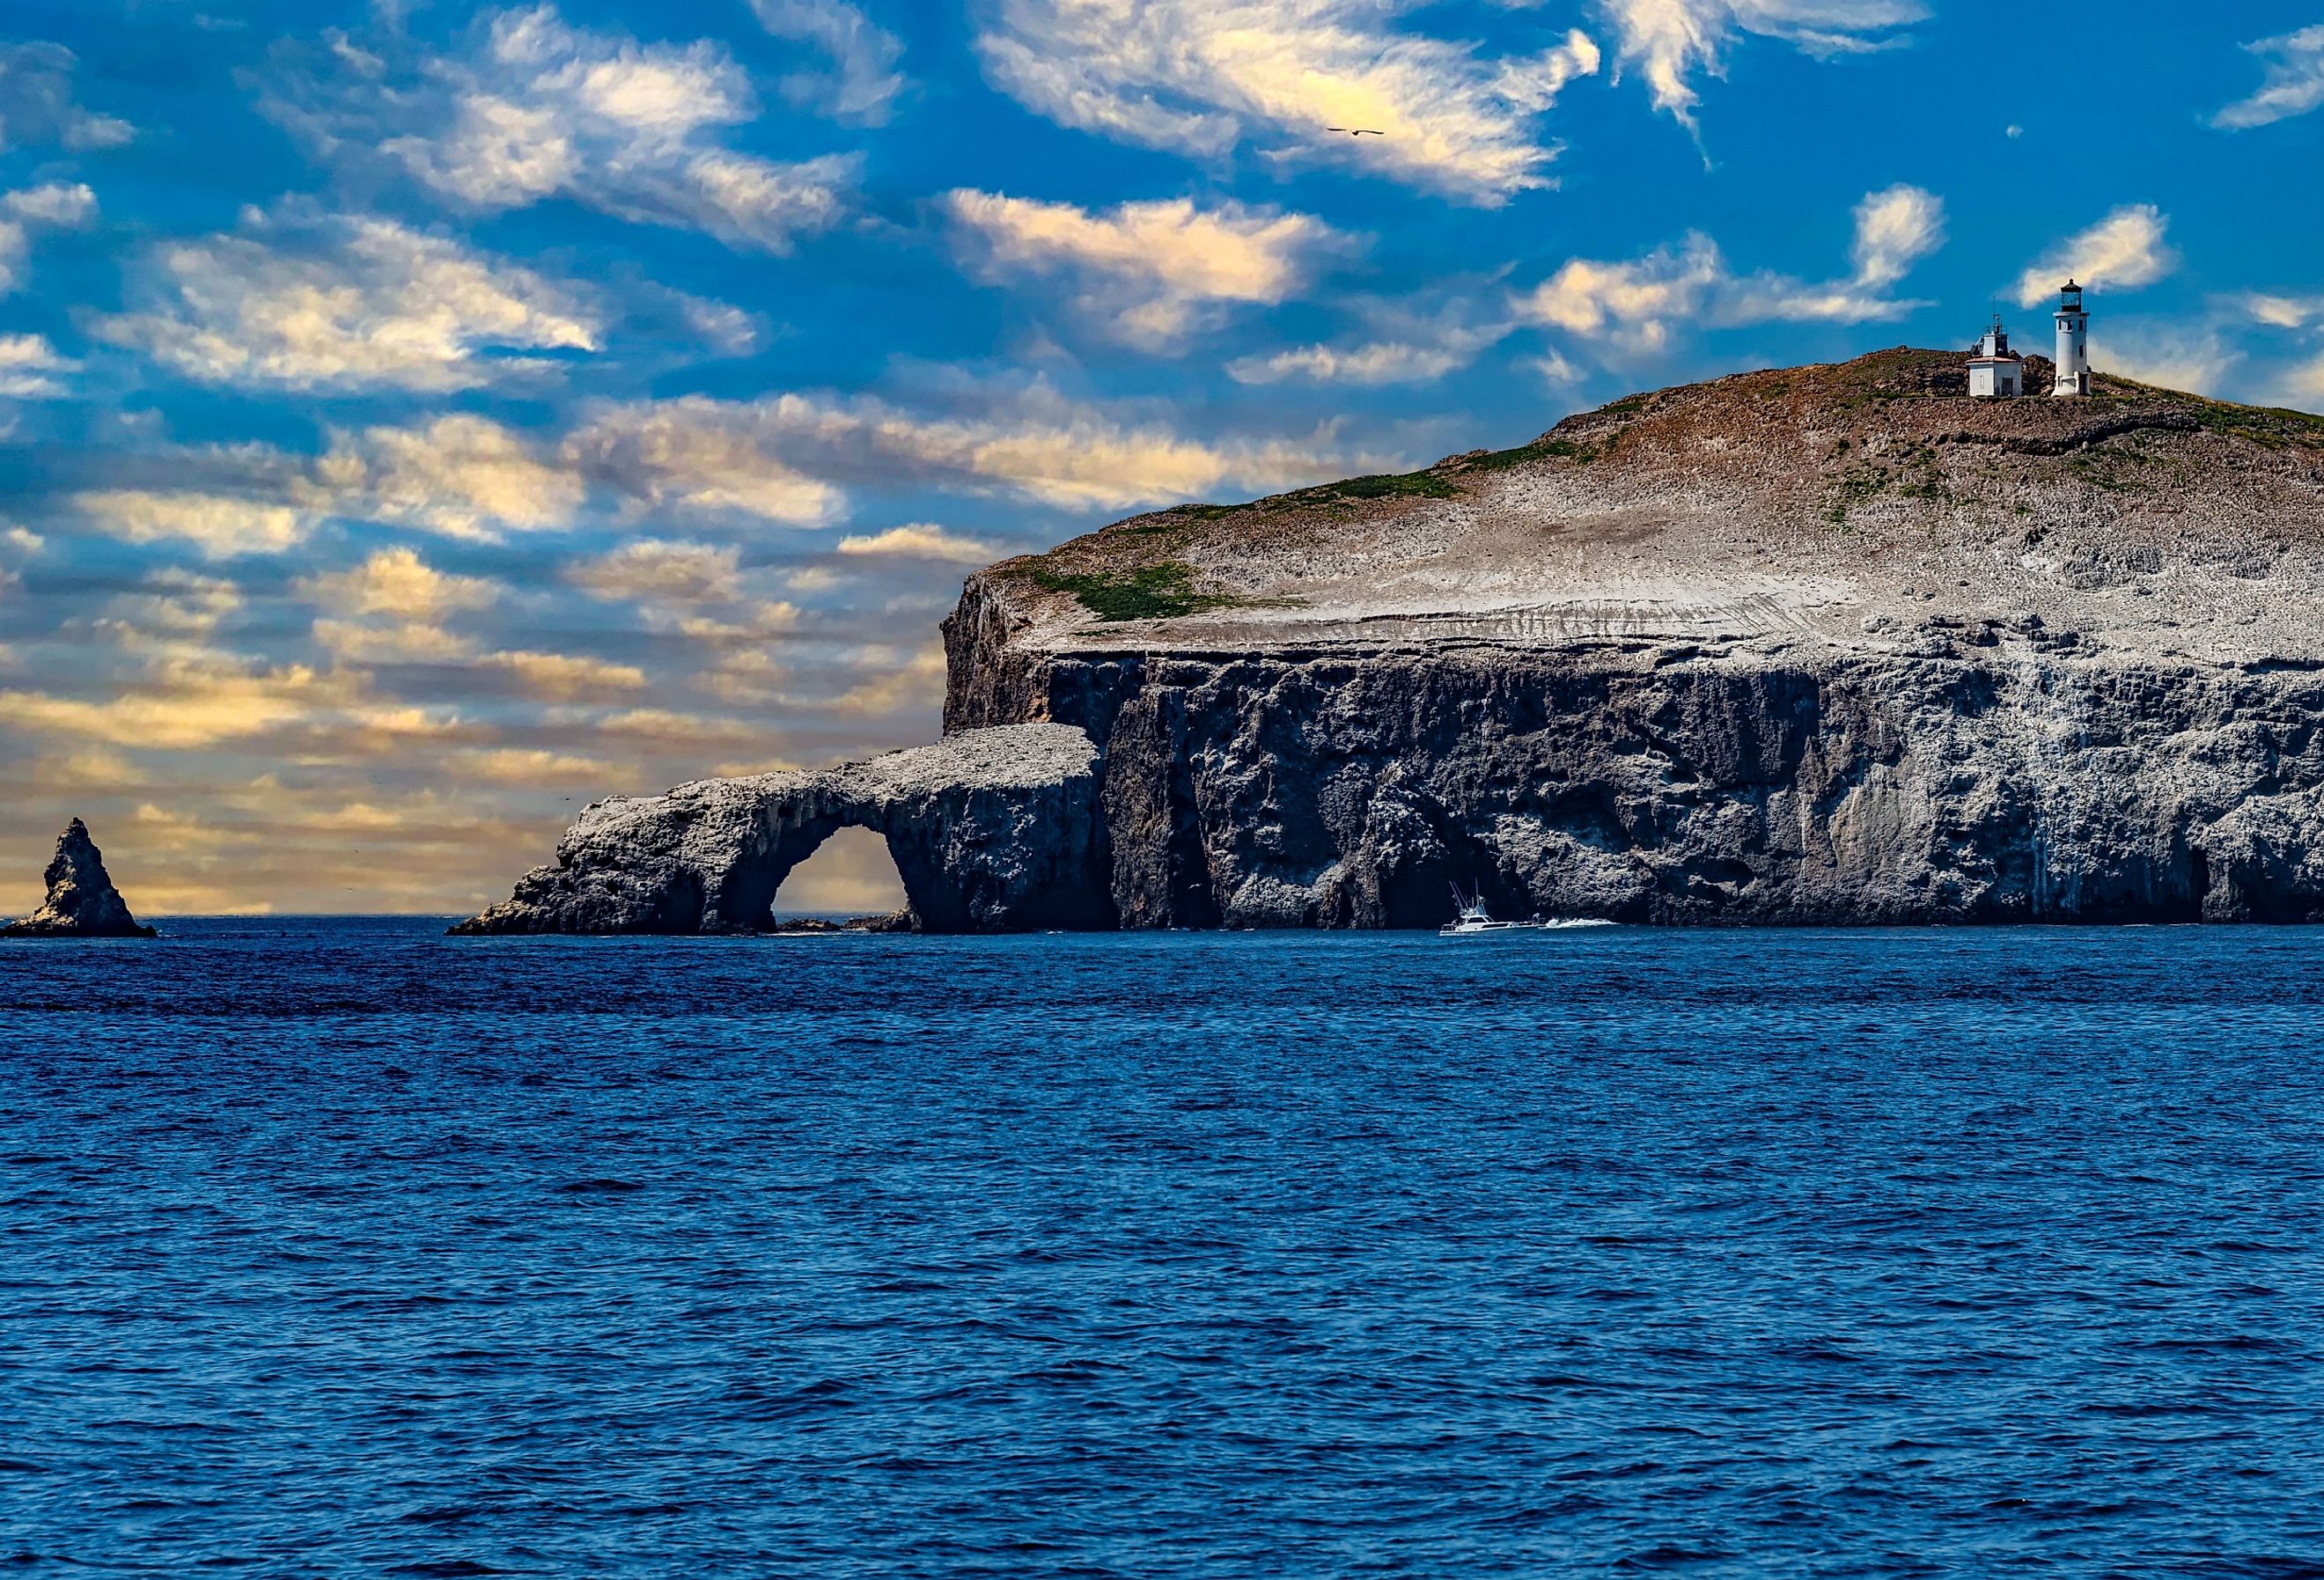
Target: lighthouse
{"x":2073,"y":344}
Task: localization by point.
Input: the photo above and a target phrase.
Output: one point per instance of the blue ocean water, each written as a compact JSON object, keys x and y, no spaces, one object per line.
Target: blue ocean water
{"x":340,"y":1248}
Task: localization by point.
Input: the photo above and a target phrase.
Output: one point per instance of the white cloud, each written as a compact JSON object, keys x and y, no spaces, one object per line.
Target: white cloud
{"x":54,"y":207}
{"x":1203,"y":77}
{"x":220,"y":525}
{"x":654,"y":568}
{"x":397,"y":583}
{"x":568,"y":678}
{"x":863,"y":83}
{"x":1029,"y":442}
{"x":354,"y":304}
{"x":1151,"y":272}
{"x":920,"y":540}
{"x":27,"y":365}
{"x":1634,"y":306}
{"x":636,"y":130}
{"x":2122,"y":252}
{"x":2173,"y":356}
{"x":1895,"y":230}
{"x":1406,"y":344}
{"x":1670,"y":42}
{"x":701,"y":454}
{"x":2284,"y":313}
{"x":2293,"y":85}
{"x":465,"y":477}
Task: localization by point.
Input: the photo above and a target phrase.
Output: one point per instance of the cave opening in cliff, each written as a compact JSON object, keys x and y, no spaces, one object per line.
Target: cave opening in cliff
{"x":850,"y":874}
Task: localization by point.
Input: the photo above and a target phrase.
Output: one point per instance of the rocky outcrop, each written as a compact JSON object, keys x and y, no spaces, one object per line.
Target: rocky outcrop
{"x":2006,"y":783}
{"x":1813,"y":645}
{"x":1822,"y":645}
{"x":992,"y":831}
{"x":82,"y":903}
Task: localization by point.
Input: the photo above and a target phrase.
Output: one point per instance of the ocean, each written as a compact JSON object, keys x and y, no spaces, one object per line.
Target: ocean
{"x":336,"y":1247}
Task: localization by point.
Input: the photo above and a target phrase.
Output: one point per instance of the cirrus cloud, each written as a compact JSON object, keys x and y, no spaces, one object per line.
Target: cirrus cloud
{"x":2122,"y":252}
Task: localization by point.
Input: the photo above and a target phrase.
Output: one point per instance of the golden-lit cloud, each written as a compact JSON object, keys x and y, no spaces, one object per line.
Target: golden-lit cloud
{"x":565,"y":678}
{"x":2122,"y":251}
{"x":220,"y":526}
{"x":920,"y":540}
{"x":1200,"y":77}
{"x":1148,"y":273}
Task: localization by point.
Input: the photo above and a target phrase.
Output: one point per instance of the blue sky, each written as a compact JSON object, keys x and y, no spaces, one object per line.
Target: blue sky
{"x":414,"y":415}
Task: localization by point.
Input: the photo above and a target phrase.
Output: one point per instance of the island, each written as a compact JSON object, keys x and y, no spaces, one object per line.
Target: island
{"x":1839,"y":644}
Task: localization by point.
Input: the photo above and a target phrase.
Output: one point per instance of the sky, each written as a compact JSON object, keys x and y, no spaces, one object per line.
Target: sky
{"x":418,"y":419}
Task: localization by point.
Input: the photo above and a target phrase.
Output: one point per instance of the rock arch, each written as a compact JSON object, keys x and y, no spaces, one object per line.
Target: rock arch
{"x":991,"y":831}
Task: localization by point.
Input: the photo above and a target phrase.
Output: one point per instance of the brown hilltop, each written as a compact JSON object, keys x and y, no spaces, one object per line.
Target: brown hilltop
{"x":1831,"y":502}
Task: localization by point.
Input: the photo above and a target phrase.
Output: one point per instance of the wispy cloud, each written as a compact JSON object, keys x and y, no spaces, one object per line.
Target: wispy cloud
{"x":30,"y":369}
{"x":2294,"y":85}
{"x":542,"y":109}
{"x":2122,"y":252}
{"x":1204,"y":76}
{"x":1404,"y":342}
{"x":58,"y":206}
{"x":783,"y":458}
{"x":1672,"y":43}
{"x":1637,"y":305}
{"x":861,"y":83}
{"x":345,"y":304}
{"x":1149,"y":274}
{"x":37,"y":104}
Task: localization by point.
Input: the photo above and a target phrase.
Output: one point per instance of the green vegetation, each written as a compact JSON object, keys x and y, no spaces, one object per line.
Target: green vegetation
{"x":1150,"y":591}
{"x":2275,"y":426}
{"x":1579,"y":451}
{"x":1400,"y":486}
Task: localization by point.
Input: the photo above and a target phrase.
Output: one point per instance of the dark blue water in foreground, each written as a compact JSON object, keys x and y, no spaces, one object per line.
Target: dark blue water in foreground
{"x":343,"y":1249}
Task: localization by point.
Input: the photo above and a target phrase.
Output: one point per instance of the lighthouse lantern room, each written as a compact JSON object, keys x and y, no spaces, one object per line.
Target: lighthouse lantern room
{"x":2073,"y":342}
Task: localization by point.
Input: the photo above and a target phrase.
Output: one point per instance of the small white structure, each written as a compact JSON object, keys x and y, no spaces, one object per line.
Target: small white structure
{"x":2073,"y":344}
{"x":1996,"y":373}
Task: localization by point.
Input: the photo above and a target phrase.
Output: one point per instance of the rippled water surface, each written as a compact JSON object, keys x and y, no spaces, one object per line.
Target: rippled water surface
{"x":341,"y":1248}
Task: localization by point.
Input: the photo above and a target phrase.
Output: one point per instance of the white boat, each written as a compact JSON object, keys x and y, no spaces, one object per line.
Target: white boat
{"x":1472,"y":917}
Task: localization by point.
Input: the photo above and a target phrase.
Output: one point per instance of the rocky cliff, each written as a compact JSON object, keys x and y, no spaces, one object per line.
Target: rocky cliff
{"x":82,"y":903}
{"x":1827,"y":644}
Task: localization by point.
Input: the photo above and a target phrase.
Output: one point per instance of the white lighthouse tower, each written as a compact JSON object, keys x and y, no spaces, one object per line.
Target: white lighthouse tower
{"x":2073,"y":344}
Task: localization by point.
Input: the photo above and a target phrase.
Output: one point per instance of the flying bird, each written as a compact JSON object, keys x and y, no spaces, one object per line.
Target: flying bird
{"x":1356,"y":131}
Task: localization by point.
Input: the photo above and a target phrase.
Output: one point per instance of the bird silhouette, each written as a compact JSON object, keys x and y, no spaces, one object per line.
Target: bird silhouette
{"x":1356,"y":131}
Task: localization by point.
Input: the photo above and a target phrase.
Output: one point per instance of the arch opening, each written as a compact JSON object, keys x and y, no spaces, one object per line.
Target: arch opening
{"x":850,"y":874}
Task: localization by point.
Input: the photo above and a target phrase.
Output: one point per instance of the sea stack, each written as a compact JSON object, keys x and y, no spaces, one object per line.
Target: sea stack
{"x":82,"y":901}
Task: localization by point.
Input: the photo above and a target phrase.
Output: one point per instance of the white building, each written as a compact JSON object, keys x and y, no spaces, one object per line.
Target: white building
{"x":1996,"y":373}
{"x":2073,"y":342}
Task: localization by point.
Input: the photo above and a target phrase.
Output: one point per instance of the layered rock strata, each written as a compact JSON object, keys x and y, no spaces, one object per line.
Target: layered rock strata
{"x":82,"y":903}
{"x":992,"y":831}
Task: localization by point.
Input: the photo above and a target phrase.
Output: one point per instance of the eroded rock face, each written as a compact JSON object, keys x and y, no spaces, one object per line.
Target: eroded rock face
{"x":82,"y":903}
{"x":1680,"y":786}
{"x":1829,"y":644}
{"x":992,"y":831}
